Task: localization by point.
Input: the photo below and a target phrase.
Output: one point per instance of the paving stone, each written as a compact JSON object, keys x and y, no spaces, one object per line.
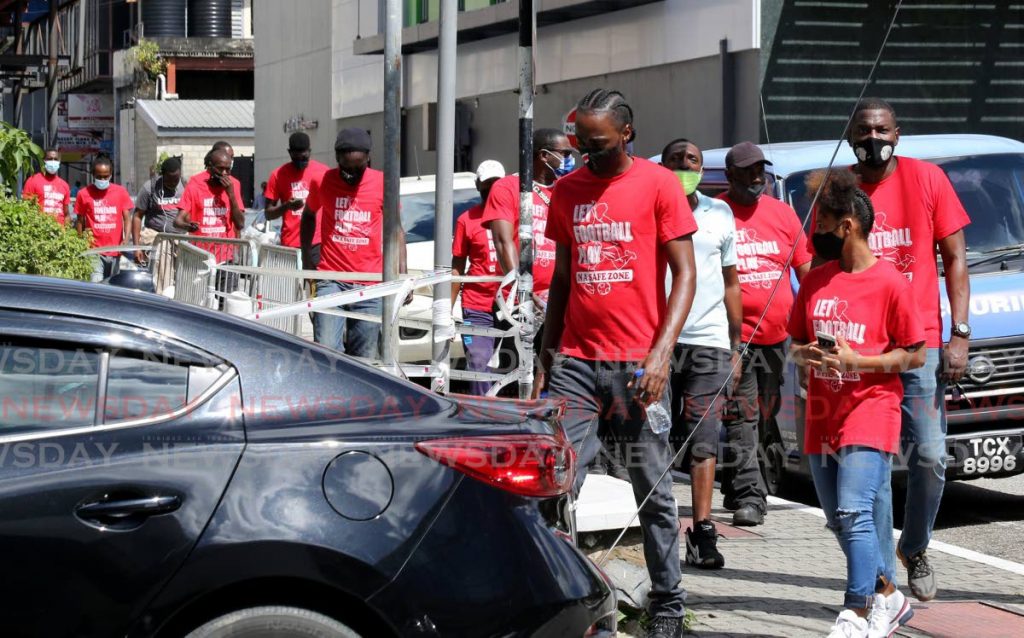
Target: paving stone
{"x":787,"y":580}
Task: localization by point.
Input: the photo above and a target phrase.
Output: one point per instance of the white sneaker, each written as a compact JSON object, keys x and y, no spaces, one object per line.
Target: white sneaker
{"x":849,"y":625}
{"x":887,"y":614}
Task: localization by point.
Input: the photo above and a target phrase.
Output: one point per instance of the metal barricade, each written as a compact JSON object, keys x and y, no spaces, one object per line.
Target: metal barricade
{"x":193,"y":276}
{"x":166,"y":247}
{"x":276,"y":290}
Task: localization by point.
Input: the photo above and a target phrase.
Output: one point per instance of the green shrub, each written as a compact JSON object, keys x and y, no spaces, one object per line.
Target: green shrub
{"x":16,"y":154}
{"x":36,"y":244}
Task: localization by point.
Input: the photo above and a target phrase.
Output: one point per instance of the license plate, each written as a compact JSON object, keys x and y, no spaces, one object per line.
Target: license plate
{"x":989,"y":454}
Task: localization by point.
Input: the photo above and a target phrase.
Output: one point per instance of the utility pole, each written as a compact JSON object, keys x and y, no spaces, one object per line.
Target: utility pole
{"x":392,"y":169}
{"x":441,"y":346}
{"x":527,"y":36}
{"x":52,"y":87}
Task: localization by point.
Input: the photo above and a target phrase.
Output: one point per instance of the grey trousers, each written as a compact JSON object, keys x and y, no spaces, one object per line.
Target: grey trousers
{"x":759,"y":397}
{"x":597,"y":397}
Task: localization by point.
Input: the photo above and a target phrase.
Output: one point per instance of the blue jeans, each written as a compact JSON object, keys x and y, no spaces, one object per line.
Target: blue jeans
{"x":478,"y":349}
{"x":923,"y":445}
{"x":849,"y":484}
{"x":351,"y":336}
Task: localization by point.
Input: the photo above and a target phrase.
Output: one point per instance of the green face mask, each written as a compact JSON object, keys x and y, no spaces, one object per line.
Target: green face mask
{"x":689,"y":180}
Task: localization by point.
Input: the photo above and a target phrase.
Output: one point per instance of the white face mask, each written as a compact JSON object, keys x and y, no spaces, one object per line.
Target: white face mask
{"x":51,"y":166}
{"x":102,"y":184}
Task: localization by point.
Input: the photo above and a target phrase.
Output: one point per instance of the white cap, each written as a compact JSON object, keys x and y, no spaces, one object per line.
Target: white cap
{"x":489,"y":169}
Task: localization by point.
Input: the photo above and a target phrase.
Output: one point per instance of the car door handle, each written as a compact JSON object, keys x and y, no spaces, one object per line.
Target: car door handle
{"x":129,"y":508}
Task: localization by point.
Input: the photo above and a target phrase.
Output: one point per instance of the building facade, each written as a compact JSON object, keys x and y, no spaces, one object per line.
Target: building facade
{"x":688,"y":67}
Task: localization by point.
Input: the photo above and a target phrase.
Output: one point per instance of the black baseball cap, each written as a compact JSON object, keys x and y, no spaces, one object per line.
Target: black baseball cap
{"x":353,"y":139}
{"x":744,"y":154}
{"x":298,"y":141}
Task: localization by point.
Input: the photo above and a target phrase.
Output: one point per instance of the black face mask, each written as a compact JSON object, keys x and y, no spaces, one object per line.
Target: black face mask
{"x":602,"y":160}
{"x":873,"y":151}
{"x":827,"y":245}
{"x":352,"y":178}
{"x":300,"y":164}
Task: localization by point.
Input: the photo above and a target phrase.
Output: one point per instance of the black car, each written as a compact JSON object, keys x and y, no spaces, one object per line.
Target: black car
{"x":169,"y":471}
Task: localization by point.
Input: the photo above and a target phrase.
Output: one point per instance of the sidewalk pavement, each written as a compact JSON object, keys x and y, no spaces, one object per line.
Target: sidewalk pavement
{"x":786,"y":578}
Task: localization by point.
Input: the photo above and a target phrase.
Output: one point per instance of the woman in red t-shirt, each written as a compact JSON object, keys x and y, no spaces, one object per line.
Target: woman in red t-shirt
{"x":854,"y":328}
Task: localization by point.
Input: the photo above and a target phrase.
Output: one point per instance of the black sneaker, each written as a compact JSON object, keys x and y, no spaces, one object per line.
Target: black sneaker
{"x":920,"y":574}
{"x":665,"y":627}
{"x":702,"y":546}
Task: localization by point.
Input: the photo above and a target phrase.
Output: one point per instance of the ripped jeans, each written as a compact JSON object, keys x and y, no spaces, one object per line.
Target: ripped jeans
{"x":848,"y":483}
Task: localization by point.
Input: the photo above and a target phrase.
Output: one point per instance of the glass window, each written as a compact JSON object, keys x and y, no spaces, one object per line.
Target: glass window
{"x":991,"y":189}
{"x":46,"y":388}
{"x":418,"y":212}
{"x":142,"y":388}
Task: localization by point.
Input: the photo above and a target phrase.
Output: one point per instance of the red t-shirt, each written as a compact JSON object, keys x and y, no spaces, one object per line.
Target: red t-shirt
{"x":765,"y":234}
{"x":874,"y":313}
{"x":103,"y":212}
{"x":352,"y":221}
{"x":287,"y":183}
{"x":915,"y":208}
{"x":474,"y":242}
{"x":503,"y":203}
{"x":615,"y":229}
{"x":209,"y":205}
{"x":52,"y":193}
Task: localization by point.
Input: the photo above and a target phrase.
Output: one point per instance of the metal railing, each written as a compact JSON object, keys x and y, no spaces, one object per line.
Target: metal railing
{"x":194,"y":276}
{"x":166,"y":254}
{"x":268,"y":290}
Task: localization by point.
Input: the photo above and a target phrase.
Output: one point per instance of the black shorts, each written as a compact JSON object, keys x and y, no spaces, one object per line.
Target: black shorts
{"x":698,"y":373}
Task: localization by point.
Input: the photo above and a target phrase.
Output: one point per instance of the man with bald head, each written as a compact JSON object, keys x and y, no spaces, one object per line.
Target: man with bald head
{"x":211,"y":205}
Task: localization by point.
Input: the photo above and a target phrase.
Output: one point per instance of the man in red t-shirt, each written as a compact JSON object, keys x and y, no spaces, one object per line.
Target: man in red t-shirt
{"x":349,"y":202}
{"x":211,"y":206}
{"x":474,"y":243}
{"x":286,"y":193}
{"x":769,"y":242}
{"x":917,"y":210}
{"x":51,"y":192}
{"x":104,"y":209}
{"x":552,"y":157}
{"x":617,"y":224}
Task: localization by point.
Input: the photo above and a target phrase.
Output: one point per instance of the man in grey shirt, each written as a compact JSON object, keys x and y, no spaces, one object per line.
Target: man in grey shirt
{"x":155,"y":211}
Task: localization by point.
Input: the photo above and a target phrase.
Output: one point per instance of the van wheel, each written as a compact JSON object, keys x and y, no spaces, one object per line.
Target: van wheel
{"x":773,"y":462}
{"x":273,"y":622}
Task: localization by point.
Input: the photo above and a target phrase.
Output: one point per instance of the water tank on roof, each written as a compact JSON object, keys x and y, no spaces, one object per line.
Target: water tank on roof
{"x":209,"y":18}
{"x":164,"y":18}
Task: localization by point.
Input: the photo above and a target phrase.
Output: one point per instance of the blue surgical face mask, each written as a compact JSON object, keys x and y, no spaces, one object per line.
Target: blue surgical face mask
{"x":566,"y":163}
{"x":52,"y":166}
{"x":102,"y":184}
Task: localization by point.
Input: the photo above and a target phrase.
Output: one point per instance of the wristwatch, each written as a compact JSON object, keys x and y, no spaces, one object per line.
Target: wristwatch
{"x":962,"y":329}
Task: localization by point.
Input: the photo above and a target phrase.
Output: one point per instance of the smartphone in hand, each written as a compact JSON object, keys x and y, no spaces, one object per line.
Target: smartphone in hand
{"x":825,"y":341}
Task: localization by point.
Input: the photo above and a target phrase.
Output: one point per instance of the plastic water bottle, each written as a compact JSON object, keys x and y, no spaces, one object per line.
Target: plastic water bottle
{"x":658,"y":417}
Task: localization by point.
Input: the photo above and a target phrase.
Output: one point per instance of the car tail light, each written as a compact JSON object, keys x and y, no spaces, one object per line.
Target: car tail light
{"x":529,"y":465}
{"x":606,"y":627}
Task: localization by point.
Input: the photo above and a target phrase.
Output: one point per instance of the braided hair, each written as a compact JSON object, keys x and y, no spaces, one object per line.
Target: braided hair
{"x":608,"y":101}
{"x":840,"y":197}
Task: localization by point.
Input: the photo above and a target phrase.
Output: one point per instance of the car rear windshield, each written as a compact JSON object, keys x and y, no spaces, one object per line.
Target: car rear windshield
{"x":990,"y":187}
{"x":418,"y":212}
